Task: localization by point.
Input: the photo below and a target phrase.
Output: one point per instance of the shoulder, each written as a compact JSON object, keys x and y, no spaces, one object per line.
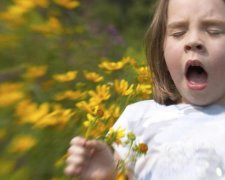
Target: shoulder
{"x":135,"y":113}
{"x":147,"y":109}
{"x":143,"y":107}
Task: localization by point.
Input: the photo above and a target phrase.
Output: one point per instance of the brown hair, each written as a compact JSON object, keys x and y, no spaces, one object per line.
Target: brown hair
{"x":164,"y":90}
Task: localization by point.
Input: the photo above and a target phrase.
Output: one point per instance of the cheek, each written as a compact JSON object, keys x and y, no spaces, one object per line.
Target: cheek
{"x":219,"y":66}
{"x":173,"y":56}
{"x":217,"y":51}
{"x":172,"y":50}
{"x":217,"y":57}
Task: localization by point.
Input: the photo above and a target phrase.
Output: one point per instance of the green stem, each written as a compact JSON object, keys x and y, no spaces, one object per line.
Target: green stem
{"x":87,"y":132}
{"x":92,"y":126}
{"x":127,"y":100}
{"x":129,"y":151}
{"x":122,"y":163}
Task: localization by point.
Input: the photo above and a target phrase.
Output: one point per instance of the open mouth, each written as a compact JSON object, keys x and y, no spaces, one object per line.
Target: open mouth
{"x":196,"y":75}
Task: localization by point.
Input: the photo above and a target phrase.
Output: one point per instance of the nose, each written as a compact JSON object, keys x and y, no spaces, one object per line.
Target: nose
{"x":194,"y":41}
{"x":195,"y":46}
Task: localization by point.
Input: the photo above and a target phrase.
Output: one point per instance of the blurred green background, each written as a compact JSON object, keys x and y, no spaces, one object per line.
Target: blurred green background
{"x":60,"y":36}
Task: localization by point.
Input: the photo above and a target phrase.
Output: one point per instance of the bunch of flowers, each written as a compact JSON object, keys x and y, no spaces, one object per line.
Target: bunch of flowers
{"x":135,"y":149}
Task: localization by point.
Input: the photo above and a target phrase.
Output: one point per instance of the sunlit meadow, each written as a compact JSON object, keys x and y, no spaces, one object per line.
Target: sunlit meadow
{"x":49,"y":94}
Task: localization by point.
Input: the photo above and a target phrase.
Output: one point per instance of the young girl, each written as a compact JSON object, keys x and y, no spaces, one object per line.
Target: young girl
{"x":184,"y":124}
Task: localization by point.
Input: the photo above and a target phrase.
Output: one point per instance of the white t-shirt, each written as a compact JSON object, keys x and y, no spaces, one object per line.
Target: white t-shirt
{"x":185,"y":142}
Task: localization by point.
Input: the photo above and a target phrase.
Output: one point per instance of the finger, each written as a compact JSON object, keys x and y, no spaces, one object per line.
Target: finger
{"x":80,"y":141}
{"x":72,"y":171}
{"x":76,"y":150}
{"x":76,"y":160}
{"x":79,"y":151}
{"x":69,"y":170}
{"x":96,"y":145}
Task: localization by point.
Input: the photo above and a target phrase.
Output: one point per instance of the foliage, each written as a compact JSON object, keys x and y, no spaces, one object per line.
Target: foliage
{"x":43,"y":112}
{"x":66,"y":70}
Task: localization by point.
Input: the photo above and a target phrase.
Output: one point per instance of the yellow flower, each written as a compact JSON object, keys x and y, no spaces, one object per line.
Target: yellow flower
{"x":92,"y":76}
{"x":97,"y":122}
{"x":26,"y":4}
{"x":93,"y":126}
{"x":122,"y":87}
{"x":129,"y":60}
{"x":30,"y":112}
{"x":54,"y":23}
{"x":91,"y":108}
{"x":110,"y":115}
{"x":69,"y":76}
{"x":70,"y":95}
{"x":13,"y":20}
{"x":47,"y":28}
{"x":91,"y":120}
{"x":24,"y":107}
{"x":20,"y":8}
{"x":41,"y":3}
{"x":144,"y":90}
{"x":86,"y":106}
{"x":99,"y":111}
{"x":113,"y":111}
{"x":22,"y":144}
{"x":115,"y":136}
{"x":111,"y":66}
{"x":121,"y":176}
{"x":35,"y":72}
{"x":144,"y":74}
{"x":58,"y":116}
{"x":42,"y":116}
{"x":101,"y":94}
{"x":17,"y":10}
{"x":69,"y":4}
{"x":15,"y":13}
{"x":10,"y":93}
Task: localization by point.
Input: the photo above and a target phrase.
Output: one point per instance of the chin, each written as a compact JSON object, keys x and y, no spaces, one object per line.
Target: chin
{"x":197,"y":102}
{"x":201,"y":104}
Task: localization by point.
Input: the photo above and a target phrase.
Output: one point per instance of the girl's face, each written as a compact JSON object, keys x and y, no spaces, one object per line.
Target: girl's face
{"x":194,"y":50}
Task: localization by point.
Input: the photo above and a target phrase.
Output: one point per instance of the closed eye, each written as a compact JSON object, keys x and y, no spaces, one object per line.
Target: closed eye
{"x":214,"y":32}
{"x":177,"y":34}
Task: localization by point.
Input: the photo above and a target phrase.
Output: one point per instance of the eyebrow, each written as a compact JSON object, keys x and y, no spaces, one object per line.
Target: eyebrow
{"x":207,"y":22}
{"x":213,"y":22}
{"x":177,"y":24}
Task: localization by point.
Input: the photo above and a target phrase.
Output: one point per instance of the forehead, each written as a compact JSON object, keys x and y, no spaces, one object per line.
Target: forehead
{"x":180,"y":9}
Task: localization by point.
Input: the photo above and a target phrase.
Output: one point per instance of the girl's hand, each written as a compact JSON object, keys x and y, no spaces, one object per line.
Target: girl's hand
{"x":90,"y":160}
